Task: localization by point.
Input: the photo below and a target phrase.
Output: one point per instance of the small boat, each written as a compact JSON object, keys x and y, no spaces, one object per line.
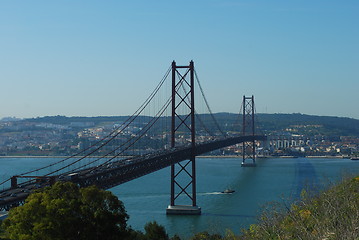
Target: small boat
{"x":228,"y":191}
{"x":354,"y":158}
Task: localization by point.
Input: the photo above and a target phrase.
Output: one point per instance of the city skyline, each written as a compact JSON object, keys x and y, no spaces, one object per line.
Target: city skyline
{"x":90,"y":58}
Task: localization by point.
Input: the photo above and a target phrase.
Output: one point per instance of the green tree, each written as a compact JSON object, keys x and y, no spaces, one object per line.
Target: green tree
{"x":65,"y":211}
{"x":154,"y":231}
{"x":175,"y":237}
{"x":206,"y":236}
{"x":1,"y":232}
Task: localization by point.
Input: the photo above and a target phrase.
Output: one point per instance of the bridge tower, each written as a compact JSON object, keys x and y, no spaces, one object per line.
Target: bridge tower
{"x":183,"y":174}
{"x":248,"y":129}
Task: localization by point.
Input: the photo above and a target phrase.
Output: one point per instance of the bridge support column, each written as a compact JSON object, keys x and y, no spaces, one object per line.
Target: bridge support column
{"x":248,"y":148}
{"x":183,"y":174}
{"x":14,"y":182}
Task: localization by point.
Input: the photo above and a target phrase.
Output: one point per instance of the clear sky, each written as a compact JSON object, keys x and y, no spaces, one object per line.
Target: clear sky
{"x":96,"y":58}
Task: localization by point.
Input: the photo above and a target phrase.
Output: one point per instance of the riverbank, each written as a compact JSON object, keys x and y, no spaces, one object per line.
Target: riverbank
{"x":201,"y":156}
{"x":39,"y":156}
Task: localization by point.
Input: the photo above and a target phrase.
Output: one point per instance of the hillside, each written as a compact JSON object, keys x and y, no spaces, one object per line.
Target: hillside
{"x":333,"y":214}
{"x":268,"y":123}
{"x":338,"y":126}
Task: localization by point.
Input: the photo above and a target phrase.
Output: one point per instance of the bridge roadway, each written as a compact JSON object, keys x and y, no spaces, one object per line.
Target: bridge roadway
{"x":120,"y":171}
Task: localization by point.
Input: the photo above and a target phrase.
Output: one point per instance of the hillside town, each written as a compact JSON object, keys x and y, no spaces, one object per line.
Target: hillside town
{"x":37,"y":138}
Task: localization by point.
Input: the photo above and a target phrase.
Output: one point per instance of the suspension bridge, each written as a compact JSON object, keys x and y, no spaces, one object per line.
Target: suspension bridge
{"x":166,"y":131}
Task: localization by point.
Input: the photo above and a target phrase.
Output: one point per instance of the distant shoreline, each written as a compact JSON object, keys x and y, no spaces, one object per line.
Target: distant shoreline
{"x":204,"y":156}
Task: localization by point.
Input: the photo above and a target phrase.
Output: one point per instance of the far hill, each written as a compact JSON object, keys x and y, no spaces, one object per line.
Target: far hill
{"x":295,"y":123}
{"x":268,"y":123}
{"x":325,"y":125}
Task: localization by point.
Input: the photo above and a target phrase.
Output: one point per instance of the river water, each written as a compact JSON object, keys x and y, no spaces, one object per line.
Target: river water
{"x":274,"y":179}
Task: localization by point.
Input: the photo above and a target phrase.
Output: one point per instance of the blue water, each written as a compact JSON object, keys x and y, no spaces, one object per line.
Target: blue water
{"x":275,"y":179}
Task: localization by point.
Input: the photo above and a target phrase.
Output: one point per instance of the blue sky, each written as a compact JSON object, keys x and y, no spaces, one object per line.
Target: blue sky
{"x":95,"y":58}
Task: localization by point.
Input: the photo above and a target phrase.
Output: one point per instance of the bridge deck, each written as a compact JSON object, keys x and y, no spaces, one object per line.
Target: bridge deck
{"x":118,"y":172}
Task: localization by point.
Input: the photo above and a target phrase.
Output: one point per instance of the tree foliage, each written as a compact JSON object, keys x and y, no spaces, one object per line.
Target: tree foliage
{"x":206,"y":236}
{"x":155,"y":231}
{"x":64,"y":211}
{"x":334,"y":214}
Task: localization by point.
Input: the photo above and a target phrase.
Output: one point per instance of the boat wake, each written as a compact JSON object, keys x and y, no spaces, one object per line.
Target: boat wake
{"x":212,"y":193}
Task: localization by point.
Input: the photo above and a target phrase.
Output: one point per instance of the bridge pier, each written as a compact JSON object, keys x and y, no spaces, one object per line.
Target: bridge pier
{"x":14,"y":182}
{"x":183,"y":210}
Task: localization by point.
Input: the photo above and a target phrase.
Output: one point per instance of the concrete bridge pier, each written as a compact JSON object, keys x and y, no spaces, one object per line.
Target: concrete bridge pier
{"x":183,"y":210}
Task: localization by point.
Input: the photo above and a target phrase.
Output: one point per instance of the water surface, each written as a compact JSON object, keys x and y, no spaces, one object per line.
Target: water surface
{"x":274,"y":179}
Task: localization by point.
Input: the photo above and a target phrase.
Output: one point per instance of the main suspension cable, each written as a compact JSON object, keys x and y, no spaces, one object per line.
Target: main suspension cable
{"x":116,"y":132}
{"x":209,"y":109}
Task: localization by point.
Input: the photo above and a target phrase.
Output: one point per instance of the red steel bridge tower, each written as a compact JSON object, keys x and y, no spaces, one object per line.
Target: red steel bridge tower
{"x":183,"y":174}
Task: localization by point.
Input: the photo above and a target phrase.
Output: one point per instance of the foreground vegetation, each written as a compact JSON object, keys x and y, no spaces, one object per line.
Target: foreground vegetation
{"x":334,"y":214}
{"x":67,"y":212}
